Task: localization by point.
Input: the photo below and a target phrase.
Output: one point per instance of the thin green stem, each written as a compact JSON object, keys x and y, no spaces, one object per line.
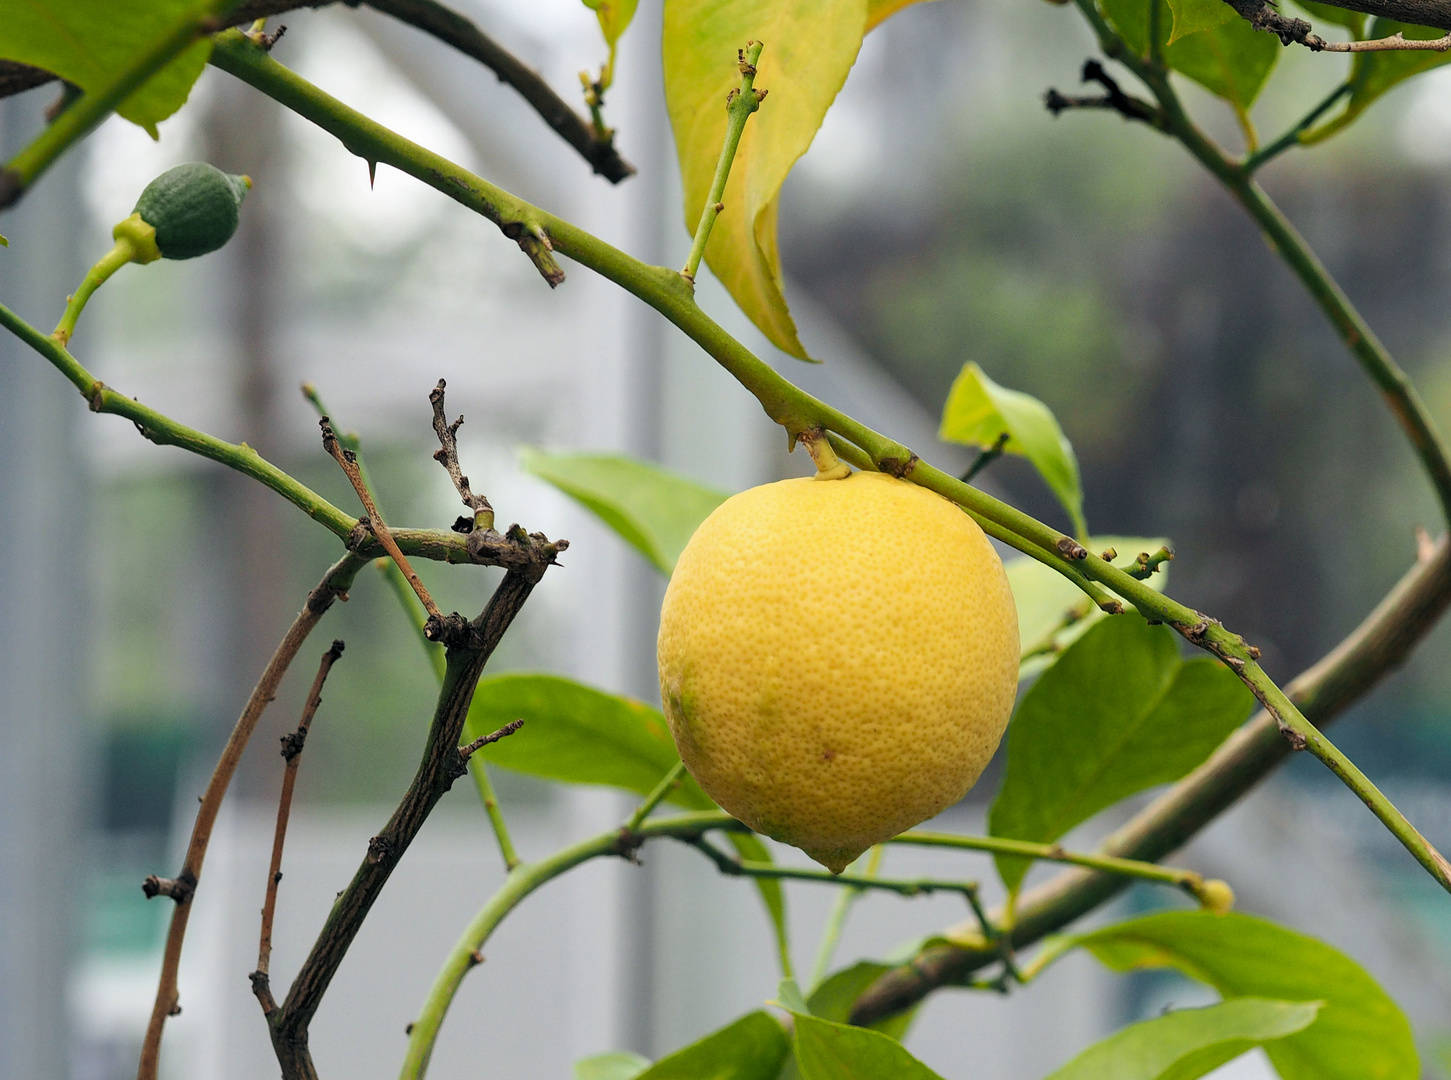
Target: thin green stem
{"x":797,"y":411}
{"x":161,"y":429}
{"x":517,"y":886}
{"x":668,"y":783}
{"x":836,"y":920}
{"x":1147,"y":871}
{"x":1257,"y":160}
{"x":739,"y":107}
{"x":80,"y":118}
{"x":1405,"y":403}
{"x":736,"y":867}
{"x":95,"y":277}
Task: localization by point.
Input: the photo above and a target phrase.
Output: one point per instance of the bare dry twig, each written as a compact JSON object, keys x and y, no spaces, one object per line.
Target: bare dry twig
{"x":447,"y":456}
{"x":292,"y":744}
{"x":349,"y":464}
{"x":182,"y":889}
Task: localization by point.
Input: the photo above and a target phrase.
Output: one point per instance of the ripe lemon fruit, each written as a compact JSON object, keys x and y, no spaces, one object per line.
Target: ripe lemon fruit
{"x":838,"y":659}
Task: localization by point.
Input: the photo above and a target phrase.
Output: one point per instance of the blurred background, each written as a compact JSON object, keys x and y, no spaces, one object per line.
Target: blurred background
{"x":942,"y":216}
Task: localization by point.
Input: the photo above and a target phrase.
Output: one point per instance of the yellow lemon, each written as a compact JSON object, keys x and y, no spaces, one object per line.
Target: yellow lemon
{"x":838,"y":659}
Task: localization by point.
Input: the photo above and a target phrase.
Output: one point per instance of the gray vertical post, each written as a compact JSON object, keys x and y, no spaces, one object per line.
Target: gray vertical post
{"x":45,"y":512}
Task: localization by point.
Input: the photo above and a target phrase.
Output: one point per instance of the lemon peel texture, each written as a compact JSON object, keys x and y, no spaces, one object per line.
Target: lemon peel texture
{"x":838,"y":660}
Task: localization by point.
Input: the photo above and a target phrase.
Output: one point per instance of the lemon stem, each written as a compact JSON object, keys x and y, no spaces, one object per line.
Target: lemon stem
{"x":828,"y":465}
{"x":95,"y":277}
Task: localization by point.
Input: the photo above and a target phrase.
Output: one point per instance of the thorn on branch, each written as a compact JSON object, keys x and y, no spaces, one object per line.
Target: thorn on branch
{"x":467,"y":751}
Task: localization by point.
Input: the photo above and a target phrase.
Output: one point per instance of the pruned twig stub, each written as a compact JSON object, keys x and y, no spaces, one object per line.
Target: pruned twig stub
{"x":1115,"y":100}
{"x":447,"y":456}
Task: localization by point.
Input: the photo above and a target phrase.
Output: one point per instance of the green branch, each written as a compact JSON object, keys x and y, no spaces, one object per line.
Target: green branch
{"x":836,"y":919}
{"x":517,"y":886}
{"x":797,"y":411}
{"x":1255,"y":161}
{"x":436,"y":545}
{"x":95,"y":105}
{"x":1405,"y":403}
{"x":739,"y":106}
{"x":1188,"y":880}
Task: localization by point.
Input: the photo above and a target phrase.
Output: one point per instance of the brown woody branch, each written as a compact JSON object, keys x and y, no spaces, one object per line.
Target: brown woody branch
{"x":333,"y":586}
{"x":1378,"y":646}
{"x":348,"y":461}
{"x":447,"y":456}
{"x":470,"y":646}
{"x":1115,"y":100}
{"x":596,"y":147}
{"x":466,"y":752}
{"x":292,"y":744}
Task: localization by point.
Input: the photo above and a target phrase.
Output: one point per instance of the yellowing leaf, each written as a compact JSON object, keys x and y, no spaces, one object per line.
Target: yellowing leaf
{"x":89,"y":42}
{"x":810,"y":46}
{"x":879,"y":11}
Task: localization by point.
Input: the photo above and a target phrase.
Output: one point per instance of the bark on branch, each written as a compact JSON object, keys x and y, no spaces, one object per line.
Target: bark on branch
{"x":468,"y":653}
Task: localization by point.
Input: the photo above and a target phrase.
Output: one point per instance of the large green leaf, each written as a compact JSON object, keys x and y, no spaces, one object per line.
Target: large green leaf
{"x":1118,"y":713}
{"x":90,"y":42}
{"x":1232,"y":60}
{"x":752,"y":1048}
{"x":838,"y":992}
{"x":1360,"y":1034}
{"x":579,"y":735}
{"x":1053,"y":612}
{"x":1192,"y":16}
{"x":615,"y":1065}
{"x":810,"y":45}
{"x":655,"y":511}
{"x":1187,"y":1043}
{"x":829,"y":1051}
{"x":979,"y":412}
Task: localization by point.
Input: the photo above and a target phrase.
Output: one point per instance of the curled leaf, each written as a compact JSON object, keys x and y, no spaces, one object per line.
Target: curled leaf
{"x":810,"y":46}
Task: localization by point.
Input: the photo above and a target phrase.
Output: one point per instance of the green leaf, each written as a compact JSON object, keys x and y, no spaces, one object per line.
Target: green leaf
{"x":1192,"y":16}
{"x":1053,"y":612}
{"x":979,"y":412}
{"x":1374,"y":73}
{"x":1354,"y":21}
{"x":615,"y":1065}
{"x":789,"y":996}
{"x":753,"y":1048}
{"x":90,"y":42}
{"x":1231,"y":61}
{"x":655,"y":511}
{"x":578,"y":735}
{"x":1118,"y":713}
{"x":828,"y":1051}
{"x":1360,"y":1034}
{"x":614,"y":16}
{"x":838,"y":992}
{"x":810,"y":46}
{"x":1187,"y":1043}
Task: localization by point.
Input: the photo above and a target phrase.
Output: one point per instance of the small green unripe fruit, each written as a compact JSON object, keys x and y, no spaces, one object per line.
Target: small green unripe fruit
{"x":1215,"y":896}
{"x":193,"y":208}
